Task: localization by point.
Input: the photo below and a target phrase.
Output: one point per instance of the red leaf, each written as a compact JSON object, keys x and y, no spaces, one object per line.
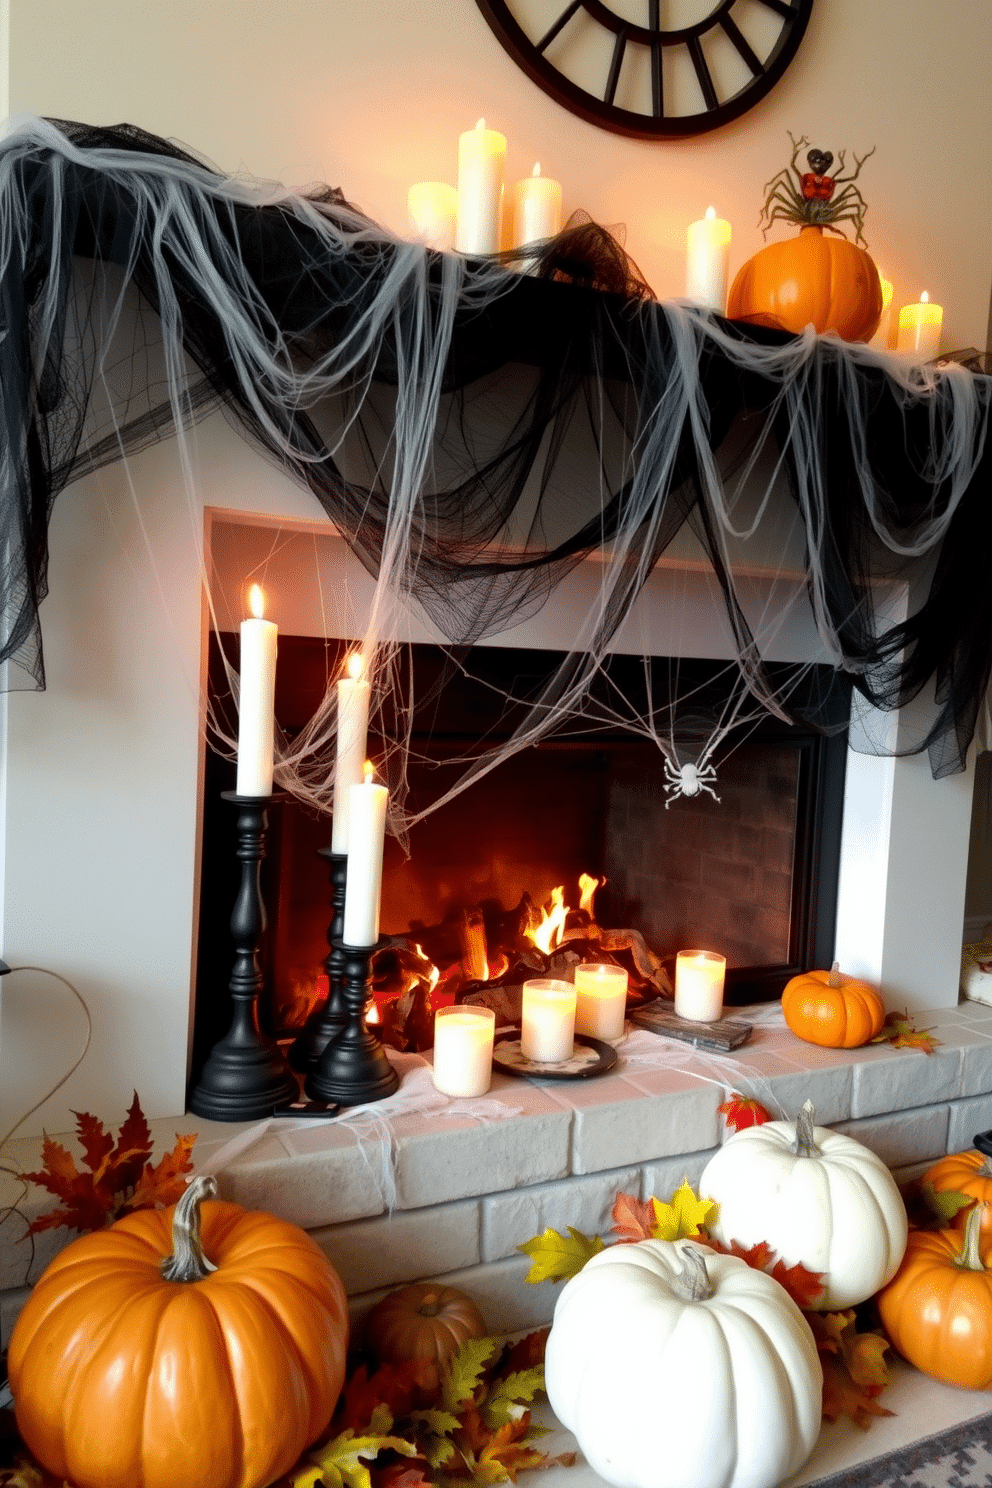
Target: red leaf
{"x":741,"y":1111}
{"x":410,"y":1472}
{"x":400,"y":1387}
{"x":632,"y":1218}
{"x":803,"y":1286}
{"x":134,"y":1148}
{"x":94,"y":1139}
{"x":165,"y":1182}
{"x":526,"y":1353}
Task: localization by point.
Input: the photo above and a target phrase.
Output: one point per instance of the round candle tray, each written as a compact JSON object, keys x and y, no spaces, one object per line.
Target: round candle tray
{"x":590,"y":1057}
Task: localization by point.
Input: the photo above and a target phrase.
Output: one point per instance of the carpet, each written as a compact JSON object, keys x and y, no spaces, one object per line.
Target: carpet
{"x":959,"y":1457}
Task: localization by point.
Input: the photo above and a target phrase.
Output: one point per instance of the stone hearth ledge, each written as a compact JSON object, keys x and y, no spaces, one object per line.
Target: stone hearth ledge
{"x":420,"y":1187}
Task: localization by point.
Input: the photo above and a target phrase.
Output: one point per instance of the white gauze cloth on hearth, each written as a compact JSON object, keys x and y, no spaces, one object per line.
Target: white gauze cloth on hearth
{"x":372,"y":1125}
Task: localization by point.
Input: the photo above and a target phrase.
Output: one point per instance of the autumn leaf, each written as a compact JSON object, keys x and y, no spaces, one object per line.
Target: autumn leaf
{"x":504,"y":1402}
{"x":633,"y":1219}
{"x":506,"y":1454}
{"x":557,"y":1257}
{"x":404,"y":1475}
{"x":343,"y":1461}
{"x":854,"y":1369}
{"x":399,"y":1387}
{"x":901,"y":1032}
{"x":803,"y":1286}
{"x":116,"y":1177}
{"x":932,"y":1208}
{"x":525,"y":1353}
{"x":682,"y":1215}
{"x":461,"y":1376}
{"x":164,"y":1182}
{"x":742,"y":1110}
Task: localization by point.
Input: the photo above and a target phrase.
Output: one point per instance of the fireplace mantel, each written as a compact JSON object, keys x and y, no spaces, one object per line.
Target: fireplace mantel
{"x":104,"y":770}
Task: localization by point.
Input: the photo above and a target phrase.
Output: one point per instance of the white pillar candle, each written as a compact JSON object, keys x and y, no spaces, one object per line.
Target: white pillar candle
{"x":366,"y":838}
{"x":601,"y":1000}
{"x":707,"y":259}
{"x":536,"y":209}
{"x":547,"y":1032}
{"x":699,"y":985}
{"x":352,"y":741}
{"x":919,"y":328}
{"x":463,"y":1049}
{"x":432,"y":208}
{"x":481,"y":156}
{"x":256,"y":700}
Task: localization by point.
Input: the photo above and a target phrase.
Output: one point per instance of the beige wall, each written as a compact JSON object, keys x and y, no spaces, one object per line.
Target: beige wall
{"x":371,"y":95}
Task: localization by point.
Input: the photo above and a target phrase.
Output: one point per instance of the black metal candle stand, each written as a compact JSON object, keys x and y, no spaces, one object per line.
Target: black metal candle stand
{"x":353,"y":1067}
{"x":246,"y":1074}
{"x":330,"y":1016}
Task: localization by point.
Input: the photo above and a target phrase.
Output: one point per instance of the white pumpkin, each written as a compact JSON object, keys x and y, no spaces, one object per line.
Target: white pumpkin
{"x":817,"y":1197}
{"x":676,"y":1367}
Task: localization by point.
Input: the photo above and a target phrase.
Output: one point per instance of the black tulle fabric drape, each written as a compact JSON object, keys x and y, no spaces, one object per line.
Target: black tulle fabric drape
{"x":477,"y":432}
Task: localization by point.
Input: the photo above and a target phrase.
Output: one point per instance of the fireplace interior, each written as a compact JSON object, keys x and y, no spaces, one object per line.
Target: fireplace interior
{"x":752,"y":874}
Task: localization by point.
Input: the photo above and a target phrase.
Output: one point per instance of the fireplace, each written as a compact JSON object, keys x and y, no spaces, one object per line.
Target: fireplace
{"x":753,"y":874}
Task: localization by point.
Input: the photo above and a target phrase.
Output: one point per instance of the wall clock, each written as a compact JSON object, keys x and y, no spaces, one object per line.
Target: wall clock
{"x":652,"y":68}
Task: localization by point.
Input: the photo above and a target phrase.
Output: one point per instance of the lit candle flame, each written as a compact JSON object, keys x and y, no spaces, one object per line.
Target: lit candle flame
{"x":924,"y":298}
{"x":369,"y":772}
{"x":711,"y":214}
{"x":537,"y":168}
{"x":256,"y":601}
{"x":480,"y":124}
{"x":355,"y":665}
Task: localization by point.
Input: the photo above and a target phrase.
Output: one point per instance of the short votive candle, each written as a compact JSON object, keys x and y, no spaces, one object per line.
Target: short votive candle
{"x":601,"y":1000}
{"x":463,"y":1049}
{"x":699,"y":979}
{"x":547,"y":1031}
{"x":919,"y":328}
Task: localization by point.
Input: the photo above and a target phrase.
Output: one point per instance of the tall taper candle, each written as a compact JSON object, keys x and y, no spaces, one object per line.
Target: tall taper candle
{"x":349,"y":760}
{"x":366,"y":838}
{"x":256,"y":702}
{"x":481,"y":155}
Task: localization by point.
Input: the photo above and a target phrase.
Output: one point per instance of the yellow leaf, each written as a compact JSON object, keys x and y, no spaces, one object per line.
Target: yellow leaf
{"x":682,"y":1216}
{"x":308,"y":1477}
{"x":341,"y":1461}
{"x":556,"y":1258}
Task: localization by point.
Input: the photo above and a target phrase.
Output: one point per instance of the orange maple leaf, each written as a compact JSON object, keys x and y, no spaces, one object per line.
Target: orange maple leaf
{"x":803,"y":1286}
{"x":854,"y":1370}
{"x":506,"y":1454}
{"x":633,"y":1219}
{"x":742,"y":1110}
{"x":399,"y":1387}
{"x":116,"y":1177}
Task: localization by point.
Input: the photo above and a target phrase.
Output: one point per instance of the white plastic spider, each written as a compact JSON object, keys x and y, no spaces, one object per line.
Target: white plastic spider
{"x":690,"y":780}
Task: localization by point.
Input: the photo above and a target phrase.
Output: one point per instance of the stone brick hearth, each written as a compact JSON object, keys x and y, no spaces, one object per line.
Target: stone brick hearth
{"x":469,"y":1188}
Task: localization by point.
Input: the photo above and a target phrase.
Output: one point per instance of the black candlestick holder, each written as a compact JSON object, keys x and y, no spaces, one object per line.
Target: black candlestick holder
{"x":353,"y":1067}
{"x":330,"y":1016}
{"x":246,"y":1075}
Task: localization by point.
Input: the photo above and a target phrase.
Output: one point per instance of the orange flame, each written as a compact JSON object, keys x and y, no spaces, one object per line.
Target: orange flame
{"x":256,"y":601}
{"x":355,"y":665}
{"x":548,"y":933}
{"x":587,"y":892}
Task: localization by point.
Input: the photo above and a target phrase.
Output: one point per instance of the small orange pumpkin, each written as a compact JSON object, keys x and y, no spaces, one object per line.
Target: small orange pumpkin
{"x":213,"y":1366}
{"x":839,"y":1012}
{"x":965,"y":1173}
{"x":422,"y":1321}
{"x":829,"y":283}
{"x":937,"y":1309}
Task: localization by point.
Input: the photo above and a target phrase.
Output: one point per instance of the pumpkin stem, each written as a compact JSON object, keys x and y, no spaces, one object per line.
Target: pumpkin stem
{"x":834,"y":979}
{"x":692,"y":1283}
{"x":805,"y":1140}
{"x":970,"y":1258}
{"x":430,"y":1305}
{"x":188,"y":1261}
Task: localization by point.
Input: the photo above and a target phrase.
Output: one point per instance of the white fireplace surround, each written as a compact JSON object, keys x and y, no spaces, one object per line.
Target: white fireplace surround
{"x":103,"y":771}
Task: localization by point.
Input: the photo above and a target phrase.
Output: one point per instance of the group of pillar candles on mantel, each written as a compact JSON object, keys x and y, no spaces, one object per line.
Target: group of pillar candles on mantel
{"x":469,"y":219}
{"x":553,"y":1011}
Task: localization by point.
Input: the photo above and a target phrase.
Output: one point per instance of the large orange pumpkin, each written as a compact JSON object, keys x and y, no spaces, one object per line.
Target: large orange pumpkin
{"x":827,"y":282}
{"x":828,"y":1008}
{"x":937,"y":1309}
{"x":219,"y":1378}
{"x":965,"y":1173}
